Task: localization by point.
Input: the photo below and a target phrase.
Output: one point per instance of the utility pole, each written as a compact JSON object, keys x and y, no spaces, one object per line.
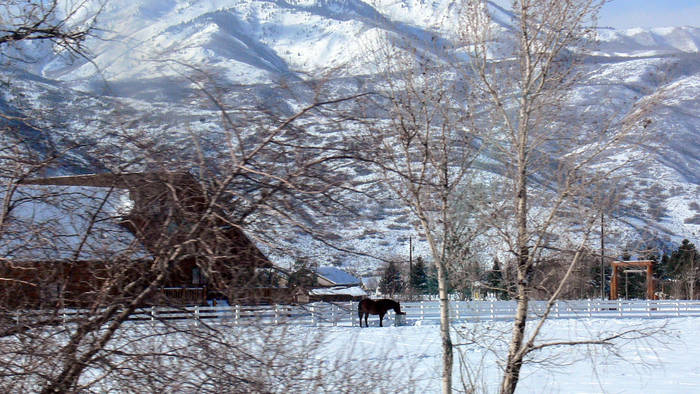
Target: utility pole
{"x":602,"y":256}
{"x":410,"y":253}
{"x":410,"y":265}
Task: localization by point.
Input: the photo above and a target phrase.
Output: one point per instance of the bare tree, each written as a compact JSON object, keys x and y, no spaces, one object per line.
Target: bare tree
{"x":163,"y":206}
{"x":552,"y":153}
{"x":109,"y":244}
{"x":424,"y":148}
{"x":65,"y":23}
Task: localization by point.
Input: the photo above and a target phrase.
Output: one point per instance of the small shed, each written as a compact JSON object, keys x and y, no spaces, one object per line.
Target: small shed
{"x":336,"y":284}
{"x":337,"y":293}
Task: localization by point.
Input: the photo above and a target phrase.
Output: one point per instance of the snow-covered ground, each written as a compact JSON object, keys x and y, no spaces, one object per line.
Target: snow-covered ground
{"x":666,"y":362}
{"x":647,"y":355}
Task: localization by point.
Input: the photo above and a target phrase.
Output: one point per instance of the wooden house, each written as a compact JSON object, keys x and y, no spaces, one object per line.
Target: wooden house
{"x":159,"y":212}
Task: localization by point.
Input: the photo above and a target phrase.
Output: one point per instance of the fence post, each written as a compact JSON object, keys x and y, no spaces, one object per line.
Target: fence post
{"x":153,"y":315}
{"x":457,"y":309}
{"x":352,"y":315}
{"x":277,"y":314}
{"x":678,"y":308}
{"x":493,"y":317}
{"x":196,"y":315}
{"x":313,"y":316}
{"x":619,"y":307}
{"x":589,"y":308}
{"x":237,"y":314}
{"x":422,"y":311}
{"x":333,"y":315}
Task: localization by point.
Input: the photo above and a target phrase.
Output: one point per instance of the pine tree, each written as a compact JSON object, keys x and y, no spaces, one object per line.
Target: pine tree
{"x":431,"y":283}
{"x":663,"y":270}
{"x":391,"y":282}
{"x":681,"y":258}
{"x":494,"y":280}
{"x":595,"y":279}
{"x":684,"y":265}
{"x":418,"y":277}
{"x":302,"y":275}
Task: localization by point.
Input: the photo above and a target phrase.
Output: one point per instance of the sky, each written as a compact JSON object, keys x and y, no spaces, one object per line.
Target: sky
{"x":623,"y":14}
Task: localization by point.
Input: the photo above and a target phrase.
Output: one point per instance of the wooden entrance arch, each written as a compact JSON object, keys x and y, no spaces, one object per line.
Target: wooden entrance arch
{"x":649,"y":264}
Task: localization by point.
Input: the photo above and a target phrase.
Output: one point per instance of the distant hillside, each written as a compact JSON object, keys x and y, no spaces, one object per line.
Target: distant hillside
{"x":249,"y":45}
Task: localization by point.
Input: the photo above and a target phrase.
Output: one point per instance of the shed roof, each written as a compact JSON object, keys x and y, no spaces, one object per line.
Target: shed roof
{"x":353,"y":291}
{"x":337,"y":276}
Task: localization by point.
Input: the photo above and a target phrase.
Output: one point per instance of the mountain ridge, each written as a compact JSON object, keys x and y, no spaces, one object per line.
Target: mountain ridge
{"x":251,"y":44}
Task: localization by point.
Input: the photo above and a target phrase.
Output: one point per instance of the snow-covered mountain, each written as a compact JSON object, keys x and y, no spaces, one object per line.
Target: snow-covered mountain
{"x":147,"y":48}
{"x":259,"y":41}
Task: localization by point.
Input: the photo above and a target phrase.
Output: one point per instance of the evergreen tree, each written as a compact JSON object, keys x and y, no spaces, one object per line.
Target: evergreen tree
{"x":303,"y":275}
{"x":681,"y":258}
{"x":684,"y":265}
{"x":494,"y":280}
{"x":663,"y":274}
{"x":391,"y":282}
{"x":418,"y":277}
{"x":663,"y":270}
{"x":431,"y":283}
{"x":595,"y":279}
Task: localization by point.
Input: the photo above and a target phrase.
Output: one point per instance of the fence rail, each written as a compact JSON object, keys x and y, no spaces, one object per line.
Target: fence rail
{"x":504,"y":310}
{"x":421,"y":312}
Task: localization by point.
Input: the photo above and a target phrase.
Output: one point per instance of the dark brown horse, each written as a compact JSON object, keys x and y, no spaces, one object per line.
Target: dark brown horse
{"x":368,"y":307}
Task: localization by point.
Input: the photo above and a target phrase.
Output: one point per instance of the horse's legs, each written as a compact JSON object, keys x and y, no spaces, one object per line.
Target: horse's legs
{"x":381,"y":317}
{"x":366,"y":316}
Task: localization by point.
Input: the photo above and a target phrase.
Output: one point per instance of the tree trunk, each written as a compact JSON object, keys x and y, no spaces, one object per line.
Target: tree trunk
{"x":447,"y":356}
{"x":515,"y":354}
{"x":515,"y":358}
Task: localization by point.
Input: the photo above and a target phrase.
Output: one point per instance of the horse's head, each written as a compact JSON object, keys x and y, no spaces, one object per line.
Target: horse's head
{"x":397,"y":309}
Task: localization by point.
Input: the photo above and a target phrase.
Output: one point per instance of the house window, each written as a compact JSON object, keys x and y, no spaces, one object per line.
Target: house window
{"x":197,"y":278}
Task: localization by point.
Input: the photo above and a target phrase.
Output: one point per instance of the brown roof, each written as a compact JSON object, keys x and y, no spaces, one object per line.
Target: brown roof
{"x":143,"y":188}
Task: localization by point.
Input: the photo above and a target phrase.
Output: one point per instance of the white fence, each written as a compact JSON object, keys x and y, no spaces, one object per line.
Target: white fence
{"x":316,"y":314}
{"x":421,"y":312}
{"x":574,"y":309}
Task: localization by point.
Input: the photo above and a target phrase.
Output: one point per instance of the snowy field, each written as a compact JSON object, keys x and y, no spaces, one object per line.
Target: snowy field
{"x":651,"y":355}
{"x":668,"y":362}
